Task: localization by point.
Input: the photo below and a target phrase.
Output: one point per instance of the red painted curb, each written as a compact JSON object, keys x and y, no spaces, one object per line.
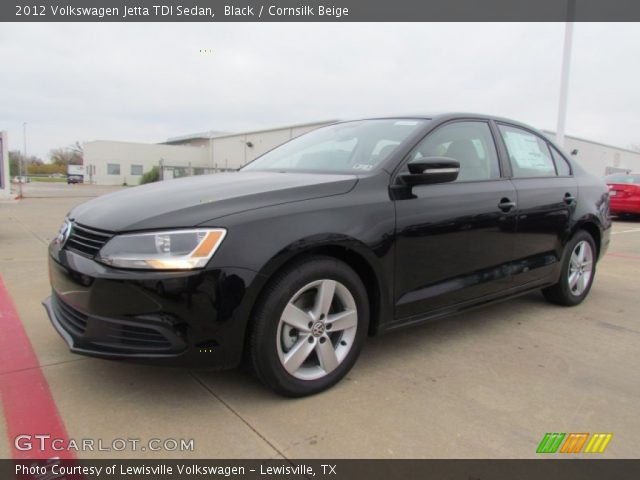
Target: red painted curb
{"x":28,"y":406}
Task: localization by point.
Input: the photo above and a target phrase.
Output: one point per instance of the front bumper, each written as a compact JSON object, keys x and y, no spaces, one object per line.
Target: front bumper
{"x":195,"y":319}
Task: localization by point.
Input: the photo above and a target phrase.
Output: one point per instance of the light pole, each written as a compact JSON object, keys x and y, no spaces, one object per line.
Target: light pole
{"x":24,"y":156}
{"x":564,"y":76}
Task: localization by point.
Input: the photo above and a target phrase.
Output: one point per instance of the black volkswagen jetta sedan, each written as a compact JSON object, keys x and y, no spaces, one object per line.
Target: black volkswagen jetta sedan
{"x":353,"y":229}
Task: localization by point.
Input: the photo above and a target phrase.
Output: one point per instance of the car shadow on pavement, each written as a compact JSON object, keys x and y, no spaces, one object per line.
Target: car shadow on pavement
{"x":394,"y":349}
{"x":410,"y":348}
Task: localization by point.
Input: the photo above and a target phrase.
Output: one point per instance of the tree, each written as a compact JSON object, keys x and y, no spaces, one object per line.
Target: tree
{"x":46,"y":169}
{"x":16,"y":156}
{"x":14,"y":159}
{"x":70,"y":155}
{"x":152,"y":175}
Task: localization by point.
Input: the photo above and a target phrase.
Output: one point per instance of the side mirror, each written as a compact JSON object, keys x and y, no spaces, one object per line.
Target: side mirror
{"x":431,"y":170}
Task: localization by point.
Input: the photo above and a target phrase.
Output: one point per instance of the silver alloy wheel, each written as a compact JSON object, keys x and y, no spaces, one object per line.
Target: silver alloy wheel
{"x":580,"y":268}
{"x":317,"y":329}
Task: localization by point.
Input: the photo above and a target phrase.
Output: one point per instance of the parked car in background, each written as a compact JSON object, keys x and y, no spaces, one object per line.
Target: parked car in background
{"x":353,"y":229}
{"x":75,"y":179}
{"x":624,"y":191}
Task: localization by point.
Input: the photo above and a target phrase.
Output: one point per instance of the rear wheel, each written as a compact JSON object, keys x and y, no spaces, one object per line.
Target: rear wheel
{"x":578,"y":272}
{"x":309,"y":327}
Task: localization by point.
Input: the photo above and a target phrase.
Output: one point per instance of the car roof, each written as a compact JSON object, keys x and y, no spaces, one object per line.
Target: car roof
{"x":443,"y":116}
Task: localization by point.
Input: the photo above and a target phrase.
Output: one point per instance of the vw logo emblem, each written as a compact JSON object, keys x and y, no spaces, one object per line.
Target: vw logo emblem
{"x":318,"y":329}
{"x":64,"y":233}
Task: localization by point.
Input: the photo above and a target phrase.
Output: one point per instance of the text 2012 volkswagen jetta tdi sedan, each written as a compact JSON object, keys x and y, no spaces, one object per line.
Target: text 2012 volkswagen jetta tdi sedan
{"x":350,"y":230}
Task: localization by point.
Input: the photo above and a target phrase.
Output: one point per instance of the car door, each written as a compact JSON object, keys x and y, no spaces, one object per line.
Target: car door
{"x":454,"y":241}
{"x":546,"y":197}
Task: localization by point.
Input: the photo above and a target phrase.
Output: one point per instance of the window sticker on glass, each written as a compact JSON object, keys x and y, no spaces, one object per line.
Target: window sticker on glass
{"x":362,"y":166}
{"x":525,"y":150}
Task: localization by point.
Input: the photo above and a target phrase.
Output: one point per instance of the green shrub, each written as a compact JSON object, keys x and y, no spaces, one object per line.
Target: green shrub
{"x":152,"y":175}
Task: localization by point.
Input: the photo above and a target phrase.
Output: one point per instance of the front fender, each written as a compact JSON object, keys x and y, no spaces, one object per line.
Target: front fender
{"x":357,"y":229}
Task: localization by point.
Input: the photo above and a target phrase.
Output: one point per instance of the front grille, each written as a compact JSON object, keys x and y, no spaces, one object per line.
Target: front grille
{"x":87,"y":241}
{"x":71,"y":319}
{"x":138,"y":336}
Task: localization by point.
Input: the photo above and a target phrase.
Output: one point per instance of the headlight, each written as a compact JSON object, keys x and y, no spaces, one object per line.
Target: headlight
{"x":167,"y":250}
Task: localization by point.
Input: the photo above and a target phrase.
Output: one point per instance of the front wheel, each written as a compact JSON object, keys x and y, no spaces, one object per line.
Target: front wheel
{"x":578,"y":272}
{"x":309,"y":327}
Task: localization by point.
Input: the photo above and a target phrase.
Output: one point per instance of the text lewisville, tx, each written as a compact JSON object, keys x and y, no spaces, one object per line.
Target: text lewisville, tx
{"x":162,"y":469}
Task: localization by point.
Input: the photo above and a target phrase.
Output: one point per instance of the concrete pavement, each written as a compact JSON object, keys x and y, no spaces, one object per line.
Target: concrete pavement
{"x":489,"y":383}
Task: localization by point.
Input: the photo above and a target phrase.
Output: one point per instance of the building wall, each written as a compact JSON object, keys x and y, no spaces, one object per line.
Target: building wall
{"x":233,"y":151}
{"x":595,"y":157}
{"x":5,"y":179}
{"x":100,"y":153}
{"x":220,"y":152}
{"x":192,"y":142}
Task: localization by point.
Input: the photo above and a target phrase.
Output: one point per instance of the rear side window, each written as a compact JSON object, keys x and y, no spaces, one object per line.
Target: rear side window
{"x":528,"y":153}
{"x":562,"y":166}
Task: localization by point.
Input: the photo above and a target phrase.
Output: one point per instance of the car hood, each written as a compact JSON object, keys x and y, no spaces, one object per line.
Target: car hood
{"x":190,"y":201}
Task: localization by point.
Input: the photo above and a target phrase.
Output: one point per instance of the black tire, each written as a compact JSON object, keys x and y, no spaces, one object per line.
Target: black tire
{"x":266,"y":332}
{"x":561,"y":293}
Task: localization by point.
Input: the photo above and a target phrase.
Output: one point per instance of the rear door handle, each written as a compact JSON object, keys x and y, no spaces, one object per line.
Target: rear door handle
{"x":505,"y":205}
{"x":569,"y":198}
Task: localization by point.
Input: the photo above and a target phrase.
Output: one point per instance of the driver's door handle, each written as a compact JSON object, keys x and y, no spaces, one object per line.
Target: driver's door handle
{"x":569,"y":198}
{"x":506,"y":205}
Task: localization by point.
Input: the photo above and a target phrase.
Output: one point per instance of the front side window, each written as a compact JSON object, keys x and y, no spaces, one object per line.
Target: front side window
{"x":470,"y":143}
{"x":113,"y":169}
{"x":528,"y":153}
{"x":136,"y":169}
{"x":359,"y":146}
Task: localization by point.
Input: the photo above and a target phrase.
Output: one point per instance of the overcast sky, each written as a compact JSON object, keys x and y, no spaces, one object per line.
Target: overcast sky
{"x":146,"y":82}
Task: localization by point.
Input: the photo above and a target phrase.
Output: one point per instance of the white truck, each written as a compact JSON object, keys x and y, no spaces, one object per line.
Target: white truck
{"x":75,"y":174}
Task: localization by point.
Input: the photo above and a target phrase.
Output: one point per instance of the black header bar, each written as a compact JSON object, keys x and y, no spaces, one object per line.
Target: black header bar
{"x":320,"y":11}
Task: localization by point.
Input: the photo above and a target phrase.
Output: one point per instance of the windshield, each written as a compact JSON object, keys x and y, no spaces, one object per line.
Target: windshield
{"x":622,"y":178}
{"x":344,"y":147}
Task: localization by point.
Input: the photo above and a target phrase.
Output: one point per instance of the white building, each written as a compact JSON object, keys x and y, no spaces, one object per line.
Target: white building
{"x":597,"y":157}
{"x":117,"y":163}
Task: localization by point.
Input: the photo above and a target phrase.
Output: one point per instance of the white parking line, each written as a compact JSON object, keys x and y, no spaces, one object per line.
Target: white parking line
{"x":633,"y":230}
